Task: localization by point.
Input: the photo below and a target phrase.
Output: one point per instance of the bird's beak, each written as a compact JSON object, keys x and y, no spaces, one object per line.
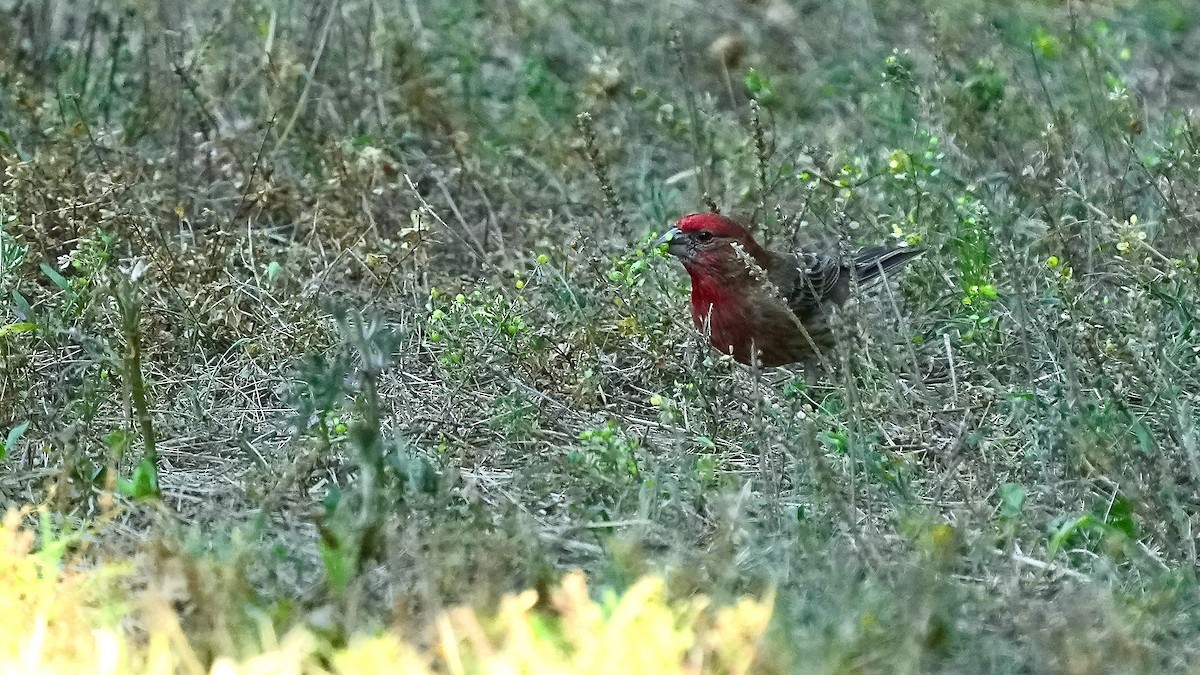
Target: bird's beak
{"x":673,"y":238}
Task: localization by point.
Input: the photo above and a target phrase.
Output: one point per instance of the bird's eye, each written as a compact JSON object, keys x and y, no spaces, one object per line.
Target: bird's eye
{"x":704,"y":235}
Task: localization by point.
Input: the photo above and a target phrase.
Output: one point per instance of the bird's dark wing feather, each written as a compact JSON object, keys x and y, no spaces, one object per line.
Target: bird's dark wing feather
{"x":807,"y":280}
{"x":872,"y":262}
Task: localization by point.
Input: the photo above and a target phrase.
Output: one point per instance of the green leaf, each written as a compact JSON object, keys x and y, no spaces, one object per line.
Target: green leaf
{"x":706,"y":469}
{"x":143,"y":484}
{"x":339,"y":561}
{"x":24,"y":310}
{"x":117,"y":442}
{"x":14,"y":435}
{"x":333,"y":497}
{"x":1120,"y":517}
{"x":58,"y":279}
{"x":1012,"y":500}
{"x":759,"y":86}
{"x":1069,"y":528}
{"x":17,"y":328}
{"x":1046,"y":44}
{"x":834,"y":440}
{"x":1145,"y":440}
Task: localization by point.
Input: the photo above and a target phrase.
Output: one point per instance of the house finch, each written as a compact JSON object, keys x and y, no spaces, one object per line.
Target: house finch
{"x":761,"y":305}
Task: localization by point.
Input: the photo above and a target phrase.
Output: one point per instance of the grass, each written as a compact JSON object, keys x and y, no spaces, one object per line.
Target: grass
{"x":342,"y":322}
{"x":69,"y":620}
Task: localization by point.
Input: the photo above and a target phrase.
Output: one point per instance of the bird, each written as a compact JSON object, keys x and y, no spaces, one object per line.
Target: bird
{"x":764,"y":307}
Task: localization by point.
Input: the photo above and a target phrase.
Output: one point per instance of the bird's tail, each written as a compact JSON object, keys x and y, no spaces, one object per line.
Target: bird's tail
{"x":872,"y":263}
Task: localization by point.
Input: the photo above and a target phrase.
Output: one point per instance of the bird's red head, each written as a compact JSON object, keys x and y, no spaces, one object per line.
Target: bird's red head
{"x":714,"y":224}
{"x":704,"y":243}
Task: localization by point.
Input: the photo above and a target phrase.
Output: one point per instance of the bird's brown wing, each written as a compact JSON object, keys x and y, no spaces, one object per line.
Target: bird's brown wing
{"x":808,"y":280}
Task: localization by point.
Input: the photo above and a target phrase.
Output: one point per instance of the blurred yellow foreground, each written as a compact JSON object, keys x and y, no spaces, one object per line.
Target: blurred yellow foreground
{"x":56,"y":619}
